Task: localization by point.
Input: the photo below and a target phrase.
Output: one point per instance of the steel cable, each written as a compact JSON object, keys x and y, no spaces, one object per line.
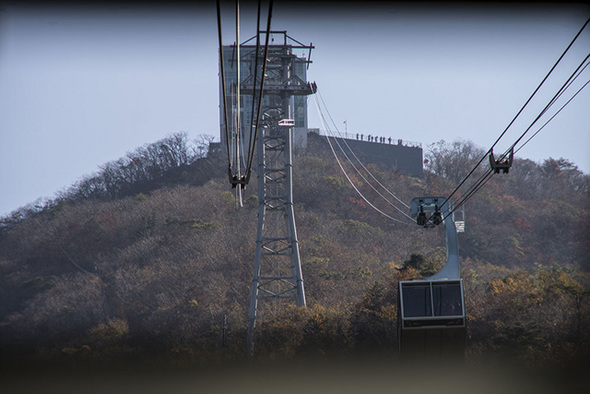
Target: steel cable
{"x":484,"y":178}
{"x":263,"y":77}
{"x":550,"y":119}
{"x":356,"y":157}
{"x":563,"y":88}
{"x":348,"y":177}
{"x":360,"y":173}
{"x":223,"y":88}
{"x":521,"y":109}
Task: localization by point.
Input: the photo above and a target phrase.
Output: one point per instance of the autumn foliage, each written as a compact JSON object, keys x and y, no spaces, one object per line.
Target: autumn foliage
{"x":151,"y":259}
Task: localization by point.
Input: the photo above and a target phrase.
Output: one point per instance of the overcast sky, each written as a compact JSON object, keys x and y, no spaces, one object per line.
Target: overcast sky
{"x":81,"y":86}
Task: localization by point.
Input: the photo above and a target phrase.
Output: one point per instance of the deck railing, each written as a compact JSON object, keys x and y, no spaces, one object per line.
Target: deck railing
{"x":367,"y":137}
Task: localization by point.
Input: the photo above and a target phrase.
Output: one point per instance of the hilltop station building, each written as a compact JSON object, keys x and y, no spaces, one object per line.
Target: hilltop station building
{"x":286,"y":70}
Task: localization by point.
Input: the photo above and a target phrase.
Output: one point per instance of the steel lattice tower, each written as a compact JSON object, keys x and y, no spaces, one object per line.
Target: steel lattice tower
{"x":277,"y":266}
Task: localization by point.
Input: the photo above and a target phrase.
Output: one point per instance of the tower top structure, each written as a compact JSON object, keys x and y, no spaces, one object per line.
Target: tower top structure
{"x":285,"y":84}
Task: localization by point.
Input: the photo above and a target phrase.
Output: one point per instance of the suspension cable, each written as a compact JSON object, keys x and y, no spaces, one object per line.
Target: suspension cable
{"x":263,"y":78}
{"x":579,"y":72}
{"x":250,"y":147}
{"x":223,"y":88}
{"x":520,"y":111}
{"x":238,"y":156}
{"x":484,"y":178}
{"x":550,"y":104}
{"x":238,"y":89}
{"x":348,"y":177}
{"x":367,"y":181}
{"x":357,"y":170}
{"x":356,"y":157}
{"x":550,"y":119}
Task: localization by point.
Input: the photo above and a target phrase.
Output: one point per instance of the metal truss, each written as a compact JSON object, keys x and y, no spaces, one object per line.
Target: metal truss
{"x":277,"y":265}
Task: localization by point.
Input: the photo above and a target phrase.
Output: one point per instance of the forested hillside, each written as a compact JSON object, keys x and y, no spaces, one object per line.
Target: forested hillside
{"x":151,"y":259}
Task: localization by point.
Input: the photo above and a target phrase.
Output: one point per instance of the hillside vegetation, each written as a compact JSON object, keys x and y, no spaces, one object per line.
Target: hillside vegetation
{"x":151,"y":259}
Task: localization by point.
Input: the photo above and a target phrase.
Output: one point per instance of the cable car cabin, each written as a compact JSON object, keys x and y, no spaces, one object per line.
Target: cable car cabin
{"x":431,"y":319}
{"x":286,"y":122}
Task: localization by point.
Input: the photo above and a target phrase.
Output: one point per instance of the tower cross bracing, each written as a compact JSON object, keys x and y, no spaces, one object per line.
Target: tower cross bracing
{"x":277,"y":265}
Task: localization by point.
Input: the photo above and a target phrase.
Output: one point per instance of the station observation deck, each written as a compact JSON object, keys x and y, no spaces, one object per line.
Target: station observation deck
{"x":405,"y":156}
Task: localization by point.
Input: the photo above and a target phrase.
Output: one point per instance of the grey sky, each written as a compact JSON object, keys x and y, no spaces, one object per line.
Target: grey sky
{"x":81,"y":86}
